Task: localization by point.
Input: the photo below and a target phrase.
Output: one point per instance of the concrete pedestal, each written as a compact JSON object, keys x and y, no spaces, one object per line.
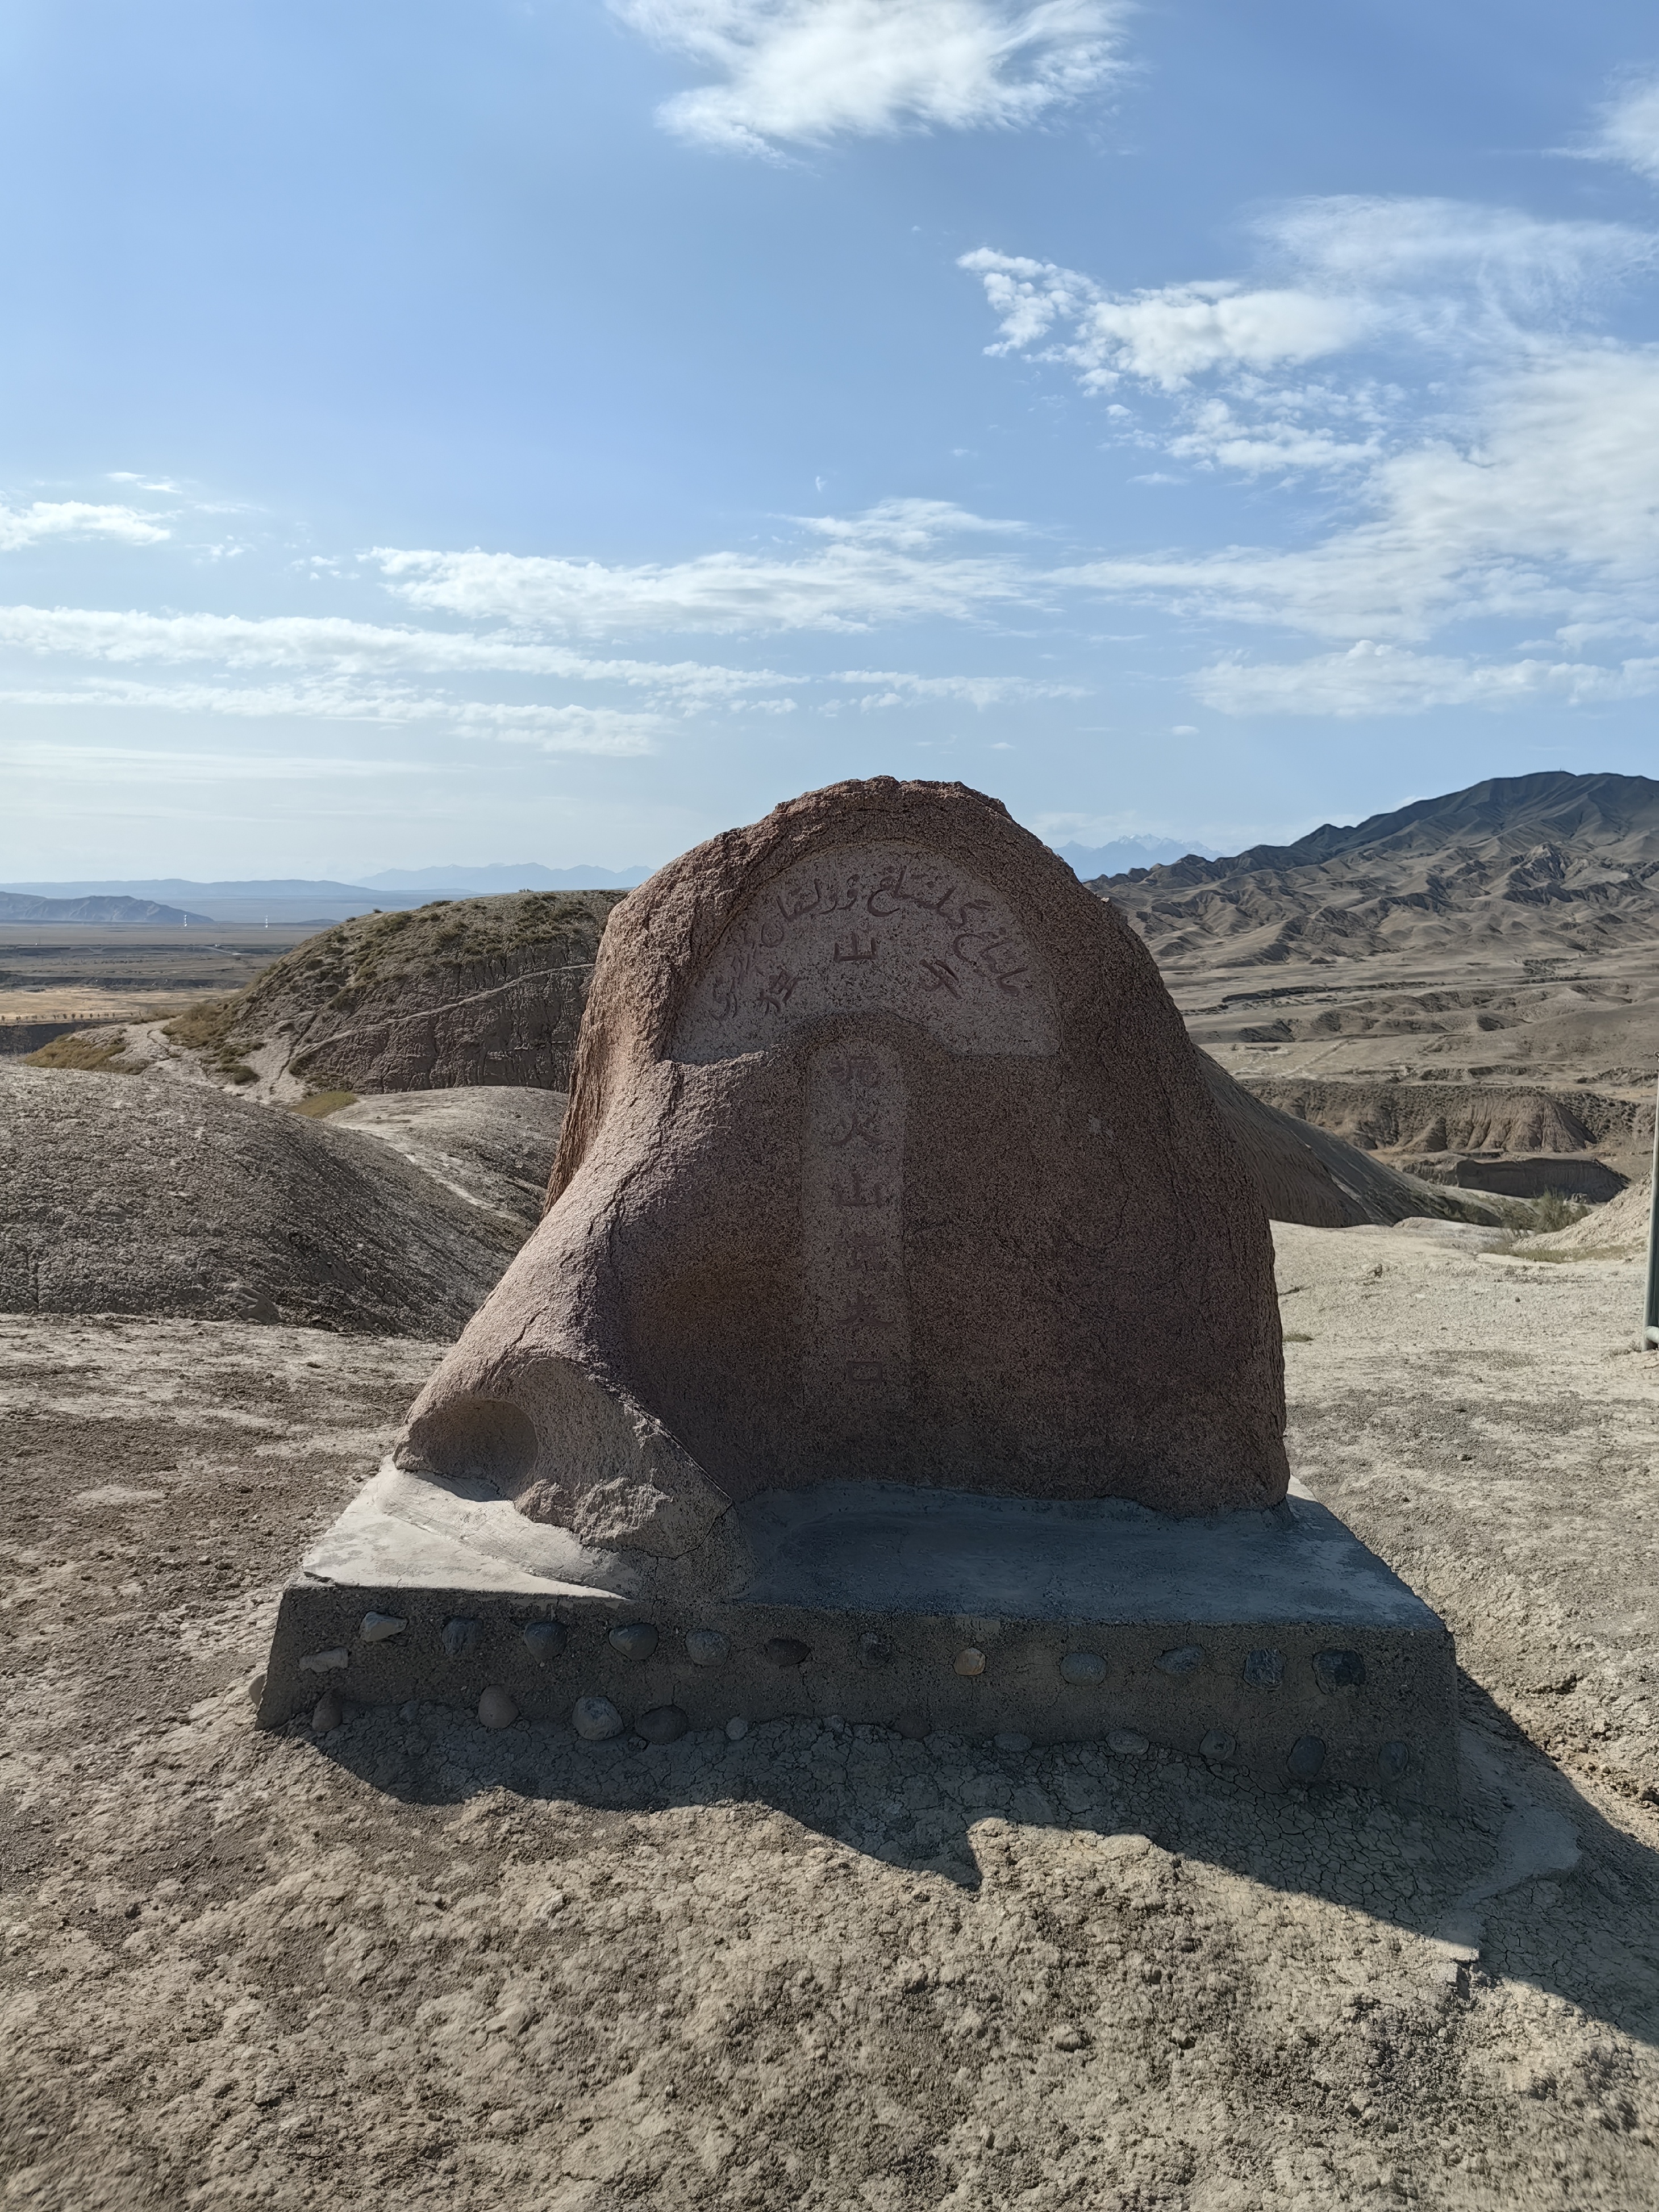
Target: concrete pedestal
{"x":1273,"y":1645}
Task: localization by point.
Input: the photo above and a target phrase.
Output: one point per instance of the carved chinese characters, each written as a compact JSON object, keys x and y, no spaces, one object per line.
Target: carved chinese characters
{"x":855,"y":1362}
{"x":872,"y":928}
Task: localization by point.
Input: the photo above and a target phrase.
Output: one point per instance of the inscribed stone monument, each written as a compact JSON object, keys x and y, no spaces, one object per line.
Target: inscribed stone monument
{"x":900,"y":1344}
{"x":887,"y":1159}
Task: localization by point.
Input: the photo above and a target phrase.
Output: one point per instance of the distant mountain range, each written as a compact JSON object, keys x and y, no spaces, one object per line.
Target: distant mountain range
{"x":16,"y":906}
{"x":1088,"y":861}
{"x":297,"y":901}
{"x":1551,"y":866}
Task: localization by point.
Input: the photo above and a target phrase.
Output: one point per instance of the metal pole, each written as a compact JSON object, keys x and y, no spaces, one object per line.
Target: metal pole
{"x":1650,"y":1316}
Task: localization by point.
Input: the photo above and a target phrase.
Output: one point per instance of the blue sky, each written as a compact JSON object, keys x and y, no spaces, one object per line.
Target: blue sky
{"x":481,"y":432}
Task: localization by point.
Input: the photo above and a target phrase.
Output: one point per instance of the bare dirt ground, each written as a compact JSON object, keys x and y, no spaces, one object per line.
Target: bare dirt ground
{"x":414,"y":1963}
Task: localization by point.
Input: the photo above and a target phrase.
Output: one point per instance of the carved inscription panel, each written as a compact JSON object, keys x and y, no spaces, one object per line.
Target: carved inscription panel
{"x":872,"y":928}
{"x":855,"y":1364}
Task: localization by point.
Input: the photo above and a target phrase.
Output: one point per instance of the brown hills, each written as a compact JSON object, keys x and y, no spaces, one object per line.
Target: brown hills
{"x":1505,"y":937}
{"x":465,"y":991}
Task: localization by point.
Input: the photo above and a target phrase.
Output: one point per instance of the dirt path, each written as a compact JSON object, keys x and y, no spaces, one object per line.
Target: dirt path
{"x":416,"y":1964}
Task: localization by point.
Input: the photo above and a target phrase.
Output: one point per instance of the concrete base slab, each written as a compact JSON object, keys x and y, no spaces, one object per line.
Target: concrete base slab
{"x":1273,"y":1645}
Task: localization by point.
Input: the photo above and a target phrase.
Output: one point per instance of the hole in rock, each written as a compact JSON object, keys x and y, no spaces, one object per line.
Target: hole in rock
{"x":479,"y":1438}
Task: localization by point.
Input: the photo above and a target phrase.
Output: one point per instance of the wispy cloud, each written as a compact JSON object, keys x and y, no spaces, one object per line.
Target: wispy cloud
{"x":890,"y":565}
{"x":1165,"y":336}
{"x":552,"y":729}
{"x":1628,"y":130}
{"x":1501,"y":451}
{"x":350,"y":648}
{"x":21,"y":526}
{"x":151,"y":764}
{"x":804,"y":71}
{"x":1370,"y":678}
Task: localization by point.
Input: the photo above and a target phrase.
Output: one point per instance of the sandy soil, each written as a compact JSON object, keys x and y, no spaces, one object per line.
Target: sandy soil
{"x":414,"y":1963}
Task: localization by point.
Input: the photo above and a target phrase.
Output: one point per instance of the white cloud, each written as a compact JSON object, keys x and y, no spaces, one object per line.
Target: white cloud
{"x":1389,"y":252}
{"x":980,"y":691}
{"x":1549,"y":504}
{"x":148,"y":764}
{"x":1165,"y":337}
{"x":879,"y":568}
{"x":551,"y":729}
{"x":350,"y":648}
{"x":803,"y":71}
{"x":21,"y":526}
{"x":1628,"y":129}
{"x":1372,"y":679}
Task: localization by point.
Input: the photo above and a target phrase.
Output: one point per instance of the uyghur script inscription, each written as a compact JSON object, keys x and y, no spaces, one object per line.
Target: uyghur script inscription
{"x":878,"y":928}
{"x":855,"y":1362}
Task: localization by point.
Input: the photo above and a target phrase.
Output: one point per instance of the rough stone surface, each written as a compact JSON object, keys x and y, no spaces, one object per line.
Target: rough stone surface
{"x":887,"y":1158}
{"x":170,"y":1199}
{"x":493,"y":1147}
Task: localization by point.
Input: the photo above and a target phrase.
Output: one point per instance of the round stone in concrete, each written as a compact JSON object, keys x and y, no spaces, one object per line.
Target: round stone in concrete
{"x":1082,"y":1667}
{"x":1127,"y":1742}
{"x":636,"y":1639}
{"x":662,"y":1724}
{"x":1338,"y":1670}
{"x":1393,"y":1761}
{"x":1307,"y":1757}
{"x":1185,"y":1659}
{"x":460,"y":1636}
{"x":706,"y":1647}
{"x":326,"y":1714}
{"x":595,"y":1718}
{"x":787,"y":1652}
{"x":379,"y":1627}
{"x":1217,"y":1746}
{"x":496,"y":1709}
{"x":546,"y":1639}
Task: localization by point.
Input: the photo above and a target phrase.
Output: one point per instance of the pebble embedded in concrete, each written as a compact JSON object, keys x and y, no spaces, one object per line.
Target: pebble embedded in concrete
{"x":1217,"y":1746}
{"x":496,"y":1709}
{"x":1307,"y":1757}
{"x":327,"y":1714}
{"x":546,"y":1639}
{"x":1082,"y":1667}
{"x":1127,"y":1742}
{"x":460,"y":1636}
{"x":662,"y":1724}
{"x":735,"y":1728}
{"x":379,"y":1627}
{"x":256,"y":1687}
{"x":706,"y":1647}
{"x":1338,"y":1670}
{"x":787,"y":1652}
{"x":635,"y":1639}
{"x":970,"y":1661}
{"x":1185,"y":1659}
{"x":595,"y":1718}
{"x":1393,"y":1760}
{"x":318,"y":1662}
{"x":875,"y":1652}
{"x":1264,"y":1670}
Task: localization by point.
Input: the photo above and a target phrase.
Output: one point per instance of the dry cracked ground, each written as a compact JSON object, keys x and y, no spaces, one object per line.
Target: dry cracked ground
{"x":415,"y":1964}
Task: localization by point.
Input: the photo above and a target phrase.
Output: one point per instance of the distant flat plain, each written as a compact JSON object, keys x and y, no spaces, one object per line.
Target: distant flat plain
{"x":104,"y":971}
